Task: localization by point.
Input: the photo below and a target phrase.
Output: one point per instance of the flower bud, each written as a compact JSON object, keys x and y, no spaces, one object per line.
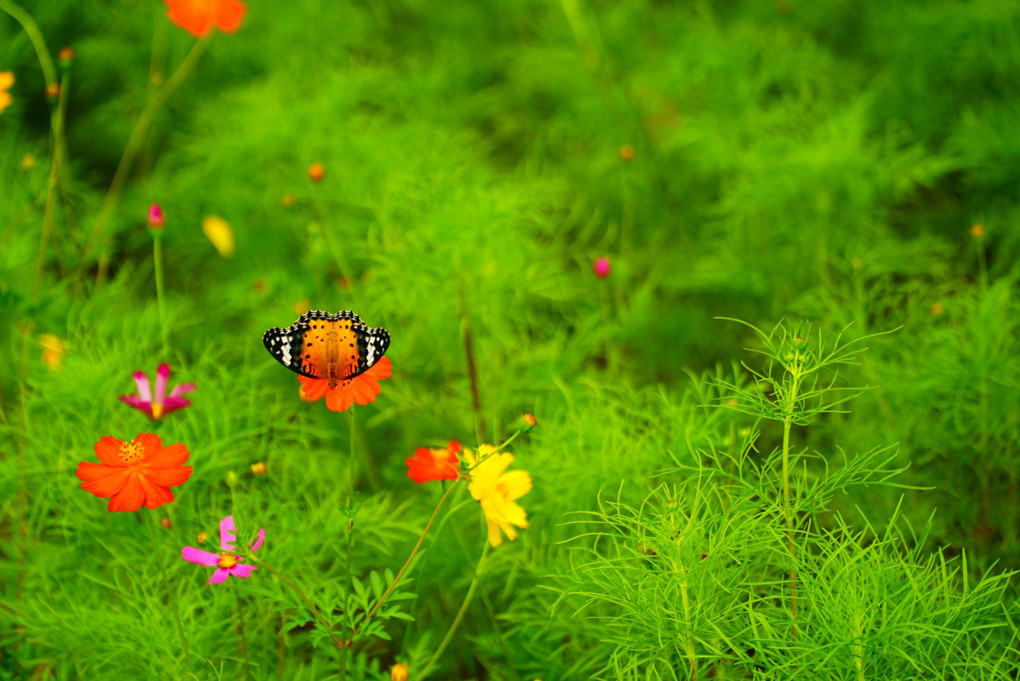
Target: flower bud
{"x":66,"y":57}
{"x":155,"y":217}
{"x":258,"y":468}
{"x":231,"y":478}
{"x":977,"y":231}
{"x":52,"y":90}
{"x":165,"y":522}
{"x":202,"y":537}
{"x":799,"y":344}
{"x":601,"y":267}
{"x":400,"y":672}
{"x":528,"y":423}
{"x":316,"y":172}
{"x":626,"y":153}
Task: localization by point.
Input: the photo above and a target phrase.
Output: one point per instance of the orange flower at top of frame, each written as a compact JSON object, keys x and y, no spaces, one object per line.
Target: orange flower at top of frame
{"x":360,"y":390}
{"x":198,"y":17}
{"x":135,"y":473}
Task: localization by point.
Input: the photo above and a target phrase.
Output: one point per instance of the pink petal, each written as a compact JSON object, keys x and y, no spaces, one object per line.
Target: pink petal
{"x":137,"y":403}
{"x":199,"y":557}
{"x":182,"y":389}
{"x":174,"y":403}
{"x":142,"y":383}
{"x":242,"y":570}
{"x":162,"y":376}
{"x":228,"y":533}
{"x":259,"y":540}
{"x":219,"y":576}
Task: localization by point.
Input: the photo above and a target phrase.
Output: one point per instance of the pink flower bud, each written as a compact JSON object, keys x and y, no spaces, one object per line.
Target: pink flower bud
{"x":155,"y":216}
{"x":601,"y":267}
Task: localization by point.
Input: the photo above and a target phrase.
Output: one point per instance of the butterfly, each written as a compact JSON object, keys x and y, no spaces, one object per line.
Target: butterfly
{"x":334,"y":347}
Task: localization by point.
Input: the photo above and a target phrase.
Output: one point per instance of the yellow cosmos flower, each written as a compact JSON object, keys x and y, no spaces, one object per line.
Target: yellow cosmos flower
{"x":219,"y":233}
{"x":6,"y":81}
{"x":497,"y":492}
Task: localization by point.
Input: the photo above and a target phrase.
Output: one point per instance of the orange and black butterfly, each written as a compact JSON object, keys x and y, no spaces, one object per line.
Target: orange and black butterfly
{"x":334,"y":347}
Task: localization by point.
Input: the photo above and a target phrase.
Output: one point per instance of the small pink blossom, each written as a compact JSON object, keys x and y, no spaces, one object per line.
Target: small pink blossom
{"x":601,"y":267}
{"x":158,"y":406}
{"x":155,"y":216}
{"x":228,"y":563}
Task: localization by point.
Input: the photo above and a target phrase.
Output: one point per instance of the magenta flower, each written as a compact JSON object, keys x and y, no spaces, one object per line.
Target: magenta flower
{"x":227,"y":562}
{"x":162,"y":404}
{"x":601,"y":267}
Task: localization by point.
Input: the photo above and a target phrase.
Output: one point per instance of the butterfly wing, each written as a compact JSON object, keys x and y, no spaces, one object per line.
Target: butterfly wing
{"x":299,"y":347}
{"x":304,"y":347}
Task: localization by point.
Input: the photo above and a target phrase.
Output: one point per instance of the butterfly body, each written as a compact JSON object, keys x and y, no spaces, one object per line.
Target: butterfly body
{"x":332,"y":347}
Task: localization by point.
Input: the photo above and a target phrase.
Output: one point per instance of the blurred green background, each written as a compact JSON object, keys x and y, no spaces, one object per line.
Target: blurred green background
{"x":855,"y":165}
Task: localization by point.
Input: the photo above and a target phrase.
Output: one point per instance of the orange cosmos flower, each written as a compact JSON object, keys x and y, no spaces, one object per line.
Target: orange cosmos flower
{"x":198,"y":17}
{"x":434,"y":464}
{"x":135,"y":473}
{"x":361,"y":389}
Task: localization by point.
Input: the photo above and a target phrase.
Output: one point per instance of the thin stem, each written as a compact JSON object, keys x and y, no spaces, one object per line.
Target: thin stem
{"x":157,"y":259}
{"x":403,"y":569}
{"x":460,"y":613}
{"x":244,"y":635}
{"x":797,"y":372}
{"x":35,"y":35}
{"x":469,"y":352}
{"x":173,"y":603}
{"x":350,"y":537}
{"x":134,"y":146}
{"x":56,"y":163}
{"x":301,"y":594}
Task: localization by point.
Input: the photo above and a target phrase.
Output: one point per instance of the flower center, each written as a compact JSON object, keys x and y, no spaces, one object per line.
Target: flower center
{"x":157,"y":410}
{"x":228,"y":560}
{"x":131,"y":452}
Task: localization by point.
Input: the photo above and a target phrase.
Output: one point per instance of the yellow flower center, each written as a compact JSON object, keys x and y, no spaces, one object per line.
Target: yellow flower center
{"x":228,"y":560}
{"x":157,"y":410}
{"x":131,"y":452}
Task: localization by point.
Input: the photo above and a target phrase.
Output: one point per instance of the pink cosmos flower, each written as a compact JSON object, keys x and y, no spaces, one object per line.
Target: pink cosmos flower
{"x":163,"y":404}
{"x":228,"y":563}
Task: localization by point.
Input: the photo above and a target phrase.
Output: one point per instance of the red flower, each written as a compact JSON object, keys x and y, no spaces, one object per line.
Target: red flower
{"x":135,"y":473}
{"x":198,"y":17}
{"x":361,"y":389}
{"x":434,"y":464}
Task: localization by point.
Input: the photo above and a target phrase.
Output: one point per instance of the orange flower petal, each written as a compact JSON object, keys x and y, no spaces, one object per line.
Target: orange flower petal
{"x":229,"y":14}
{"x":129,"y":498}
{"x":194,"y":16}
{"x":103,"y":481}
{"x":155,"y":495}
{"x":169,"y":476}
{"x":149,"y":443}
{"x":339,"y":399}
{"x":108,"y":451}
{"x":313,"y":389}
{"x":167,"y":457}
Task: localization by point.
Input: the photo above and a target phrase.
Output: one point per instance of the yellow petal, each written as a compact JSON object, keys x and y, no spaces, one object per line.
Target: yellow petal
{"x":6,"y":79}
{"x":515,"y":484}
{"x":219,"y":233}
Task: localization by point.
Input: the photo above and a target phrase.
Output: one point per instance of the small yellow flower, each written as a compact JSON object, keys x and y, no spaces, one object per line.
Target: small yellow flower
{"x":258,"y":468}
{"x":977,"y":231}
{"x":218,"y":231}
{"x":6,"y":81}
{"x":202,"y":537}
{"x":400,"y":672}
{"x":53,"y":350}
{"x":497,"y":492}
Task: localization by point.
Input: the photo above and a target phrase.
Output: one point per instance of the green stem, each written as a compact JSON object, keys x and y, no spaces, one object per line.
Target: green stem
{"x":469,"y":353}
{"x":796,"y":371}
{"x":460,"y":613}
{"x":403,"y":569}
{"x":312,"y":608}
{"x":344,"y":651}
{"x":35,"y":35}
{"x":134,"y":146}
{"x":157,"y":259}
{"x":173,"y":604}
{"x":244,"y":635}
